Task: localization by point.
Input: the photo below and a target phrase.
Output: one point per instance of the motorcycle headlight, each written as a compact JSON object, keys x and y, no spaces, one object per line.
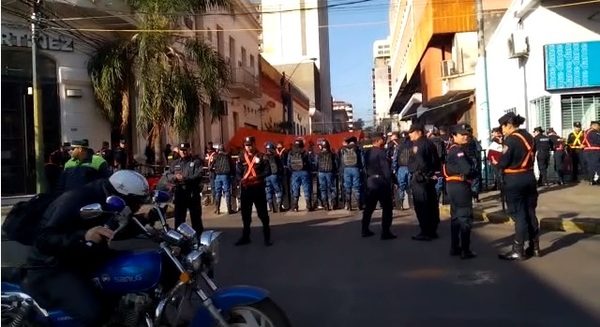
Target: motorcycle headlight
{"x":193,"y":260}
{"x":210,"y":239}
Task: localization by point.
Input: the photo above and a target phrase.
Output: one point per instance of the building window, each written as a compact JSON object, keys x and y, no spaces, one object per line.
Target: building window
{"x":236,"y":120}
{"x":583,"y":108}
{"x":209,"y":35}
{"x":244,"y":56}
{"x":541,"y":107}
{"x":252,"y":65}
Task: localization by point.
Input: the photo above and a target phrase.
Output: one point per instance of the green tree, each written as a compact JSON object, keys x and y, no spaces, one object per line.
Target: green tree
{"x":170,"y":76}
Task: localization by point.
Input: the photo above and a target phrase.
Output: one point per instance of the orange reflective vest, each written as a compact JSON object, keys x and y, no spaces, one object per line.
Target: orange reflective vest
{"x":529,"y":156}
{"x":452,"y":178}
{"x":586,"y":141}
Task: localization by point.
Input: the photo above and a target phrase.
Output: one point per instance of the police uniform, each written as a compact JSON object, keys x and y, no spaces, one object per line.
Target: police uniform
{"x":458,"y":172}
{"x":379,"y":188}
{"x":543,"y":146}
{"x":474,"y":149}
{"x":273,"y":181}
{"x":252,"y":169}
{"x":441,"y":151}
{"x":351,"y":164}
{"x":520,"y":188}
{"x":400,"y":162}
{"x":121,"y":157}
{"x":187,"y":188}
{"x":326,"y":163}
{"x":575,"y":145}
{"x":222,"y":167}
{"x":591,"y":152}
{"x":78,"y":172}
{"x":423,"y":164}
{"x":283,"y":154}
{"x":558,"y":146}
{"x":209,"y":157}
{"x":299,"y":163}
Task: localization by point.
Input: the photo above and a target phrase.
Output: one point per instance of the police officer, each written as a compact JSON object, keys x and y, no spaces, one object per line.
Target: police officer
{"x":62,"y":155}
{"x":400,"y":162}
{"x":223,"y":169}
{"x":520,"y":187}
{"x":107,"y":153}
{"x":458,"y":172}
{"x":575,"y":146}
{"x":121,"y":157}
{"x":433,"y":136}
{"x":173,"y":155}
{"x":543,"y":146}
{"x":286,"y":175}
{"x":379,"y":182}
{"x":326,"y":163}
{"x":299,"y":163}
{"x":273,"y":181}
{"x":186,"y":173}
{"x":558,"y":144}
{"x":209,"y":157}
{"x":423,"y":164}
{"x":591,"y":152}
{"x":474,"y":148}
{"x":351,"y":163}
{"x":82,"y":168}
{"x":392,"y":145}
{"x":252,"y":169}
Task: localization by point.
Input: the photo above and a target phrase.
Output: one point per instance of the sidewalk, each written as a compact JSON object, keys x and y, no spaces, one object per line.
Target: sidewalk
{"x":572,"y":208}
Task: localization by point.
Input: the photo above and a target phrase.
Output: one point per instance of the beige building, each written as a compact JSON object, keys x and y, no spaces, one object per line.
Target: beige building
{"x":381,"y":80}
{"x":295,"y":33}
{"x":340,"y":105}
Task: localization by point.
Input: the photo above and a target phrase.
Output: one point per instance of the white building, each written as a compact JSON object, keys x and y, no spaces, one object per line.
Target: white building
{"x":543,"y":64}
{"x":348,"y":108}
{"x":381,"y":79}
{"x":294,"y":31}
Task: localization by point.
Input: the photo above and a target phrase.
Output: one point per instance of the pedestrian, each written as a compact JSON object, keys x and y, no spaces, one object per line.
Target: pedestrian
{"x":575,"y":146}
{"x":380,"y":180}
{"x":423,"y":164}
{"x":223,"y":169}
{"x":252,"y":169}
{"x":273,"y":181}
{"x":326,"y":163}
{"x":186,"y":174}
{"x":543,"y":146}
{"x":520,"y":186}
{"x":351,"y":165}
{"x":299,"y":163}
{"x":458,"y":172}
{"x":591,"y":152}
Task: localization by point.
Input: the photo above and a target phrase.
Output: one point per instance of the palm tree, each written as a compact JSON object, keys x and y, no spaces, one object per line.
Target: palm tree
{"x":170,"y":76}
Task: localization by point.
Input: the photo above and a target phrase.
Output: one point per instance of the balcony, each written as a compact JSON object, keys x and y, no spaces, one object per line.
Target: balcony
{"x":244,"y":83}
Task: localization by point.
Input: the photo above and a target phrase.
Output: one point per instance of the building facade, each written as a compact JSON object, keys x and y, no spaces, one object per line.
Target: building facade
{"x":381,"y":80}
{"x":294,"y":33}
{"x":339,"y":105}
{"x":549,"y":75}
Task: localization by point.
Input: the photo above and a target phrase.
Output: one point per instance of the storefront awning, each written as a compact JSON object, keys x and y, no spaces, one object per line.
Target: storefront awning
{"x":448,"y":107}
{"x":410,"y":109}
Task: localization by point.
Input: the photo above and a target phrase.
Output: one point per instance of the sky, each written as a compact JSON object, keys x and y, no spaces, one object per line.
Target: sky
{"x":351,"y":51}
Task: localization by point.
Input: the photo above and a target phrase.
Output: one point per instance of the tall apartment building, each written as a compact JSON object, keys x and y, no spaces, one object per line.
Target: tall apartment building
{"x":294,"y":32}
{"x":381,"y":80}
{"x":348,"y":108}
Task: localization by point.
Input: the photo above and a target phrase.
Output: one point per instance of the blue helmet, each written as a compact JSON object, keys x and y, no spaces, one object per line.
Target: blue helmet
{"x":270,"y":145}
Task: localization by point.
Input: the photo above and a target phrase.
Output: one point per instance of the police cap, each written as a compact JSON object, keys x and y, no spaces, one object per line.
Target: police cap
{"x":416,"y":127}
{"x":538,"y":129}
{"x":184,"y":146}
{"x":595,"y":122}
{"x":122,"y":141}
{"x":497,"y":130}
{"x":461,"y":129}
{"x":577,"y":124}
{"x":66,"y":144}
{"x":249,"y":140}
{"x":79,"y":144}
{"x":86,"y":142}
{"x":376,"y":136}
{"x":549,"y":130}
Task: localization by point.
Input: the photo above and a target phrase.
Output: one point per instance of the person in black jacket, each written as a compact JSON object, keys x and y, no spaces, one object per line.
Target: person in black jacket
{"x":70,"y":249}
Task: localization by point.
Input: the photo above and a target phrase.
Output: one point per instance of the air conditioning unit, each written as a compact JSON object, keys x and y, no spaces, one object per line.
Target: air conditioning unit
{"x":448,"y":68}
{"x":518,"y":45}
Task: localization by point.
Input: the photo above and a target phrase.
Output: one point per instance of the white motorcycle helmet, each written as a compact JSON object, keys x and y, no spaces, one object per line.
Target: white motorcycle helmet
{"x":131,"y":185}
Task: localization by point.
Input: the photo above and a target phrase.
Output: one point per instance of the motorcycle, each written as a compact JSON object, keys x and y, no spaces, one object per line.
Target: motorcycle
{"x":158,"y":287}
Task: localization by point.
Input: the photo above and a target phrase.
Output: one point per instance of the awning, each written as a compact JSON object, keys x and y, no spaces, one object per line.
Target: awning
{"x":410,"y":109}
{"x":452,"y":104}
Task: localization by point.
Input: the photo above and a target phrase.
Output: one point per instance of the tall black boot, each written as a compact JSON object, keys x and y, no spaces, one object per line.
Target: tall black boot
{"x":465,"y":242}
{"x":270,"y":204}
{"x":245,"y":239}
{"x":229,"y":208}
{"x":279,"y":206}
{"x":309,"y":205}
{"x":267,"y":235}
{"x":295,"y":204}
{"x":454,"y":238}
{"x":533,"y":250}
{"x":349,"y":202}
{"x":517,"y":252}
{"x":218,"y":206}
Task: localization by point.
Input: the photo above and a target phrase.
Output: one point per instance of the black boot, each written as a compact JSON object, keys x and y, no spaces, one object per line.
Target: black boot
{"x":465,"y":240}
{"x":295,"y":205}
{"x":454,"y":239}
{"x":517,"y":252}
{"x":349,"y":202}
{"x":245,"y":239}
{"x":309,"y":205}
{"x":326,"y":204}
{"x":279,"y":206}
{"x":229,"y":208}
{"x":533,"y":250}
{"x":270,"y":204}
{"x":267,"y":235}
{"x":276,"y":207}
{"x":218,"y":207}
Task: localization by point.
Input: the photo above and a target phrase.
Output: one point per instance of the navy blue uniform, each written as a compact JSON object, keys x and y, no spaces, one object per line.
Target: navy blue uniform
{"x":543,"y":146}
{"x":223,"y":169}
{"x":187,"y":190}
{"x":591,"y":154}
{"x":273,"y":181}
{"x":379,"y":189}
{"x":327,"y":167}
{"x":300,"y":165}
{"x":351,"y":165}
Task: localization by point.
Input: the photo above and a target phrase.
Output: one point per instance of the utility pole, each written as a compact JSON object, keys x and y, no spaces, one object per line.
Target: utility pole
{"x":38,"y":121}
{"x":483,"y":98}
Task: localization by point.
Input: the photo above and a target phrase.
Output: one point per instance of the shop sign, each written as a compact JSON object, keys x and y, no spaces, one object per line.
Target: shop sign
{"x":19,"y":37}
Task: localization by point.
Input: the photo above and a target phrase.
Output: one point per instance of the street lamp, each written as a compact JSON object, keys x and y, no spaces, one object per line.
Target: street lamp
{"x":286,"y":83}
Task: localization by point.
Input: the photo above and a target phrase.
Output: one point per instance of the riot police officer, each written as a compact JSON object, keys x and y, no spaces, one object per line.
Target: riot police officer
{"x":299,"y":163}
{"x":379,"y":186}
{"x":209,"y":157}
{"x":543,"y":146}
{"x":327,"y":168}
{"x":458,"y":172}
{"x":400,"y":162}
{"x":520,"y":186}
{"x":223,"y":169}
{"x":351,"y":163}
{"x":252,"y":169}
{"x":186,"y":173}
{"x":273,"y":181}
{"x":423,"y":164}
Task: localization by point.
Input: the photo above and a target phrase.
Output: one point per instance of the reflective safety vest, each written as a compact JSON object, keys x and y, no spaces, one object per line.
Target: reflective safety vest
{"x":529,"y":156}
{"x":577,"y":142}
{"x":209,"y":158}
{"x":250,"y":171}
{"x":586,"y":141}
{"x":280,"y":152}
{"x":452,"y":178}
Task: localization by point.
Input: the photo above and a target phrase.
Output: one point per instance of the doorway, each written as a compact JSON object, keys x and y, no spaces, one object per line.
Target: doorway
{"x":18,"y":146}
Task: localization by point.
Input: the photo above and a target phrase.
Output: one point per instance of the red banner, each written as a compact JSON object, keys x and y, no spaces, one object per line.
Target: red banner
{"x":262,"y":137}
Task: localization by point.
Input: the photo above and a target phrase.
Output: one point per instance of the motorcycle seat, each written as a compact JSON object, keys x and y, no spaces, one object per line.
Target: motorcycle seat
{"x":13,"y":275}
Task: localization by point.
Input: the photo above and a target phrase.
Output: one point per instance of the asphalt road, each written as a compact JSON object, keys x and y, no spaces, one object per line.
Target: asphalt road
{"x":325,"y":275}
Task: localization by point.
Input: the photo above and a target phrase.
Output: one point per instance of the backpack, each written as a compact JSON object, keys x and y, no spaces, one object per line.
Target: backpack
{"x":350,"y":158}
{"x":22,"y":221}
{"x":296,"y":162}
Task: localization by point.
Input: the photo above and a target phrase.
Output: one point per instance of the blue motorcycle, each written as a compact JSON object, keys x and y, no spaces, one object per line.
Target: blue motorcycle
{"x":167,"y":286}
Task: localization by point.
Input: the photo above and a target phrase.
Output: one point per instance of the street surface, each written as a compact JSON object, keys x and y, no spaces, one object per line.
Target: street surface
{"x":325,"y":275}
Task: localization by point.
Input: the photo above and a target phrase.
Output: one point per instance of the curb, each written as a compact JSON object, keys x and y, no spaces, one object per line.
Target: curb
{"x":572,"y":225}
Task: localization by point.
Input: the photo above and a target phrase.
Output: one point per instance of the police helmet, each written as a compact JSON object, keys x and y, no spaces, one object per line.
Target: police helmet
{"x":325,"y":143}
{"x":270,"y":146}
{"x":299,"y":143}
{"x":351,"y":139}
{"x":220,"y":147}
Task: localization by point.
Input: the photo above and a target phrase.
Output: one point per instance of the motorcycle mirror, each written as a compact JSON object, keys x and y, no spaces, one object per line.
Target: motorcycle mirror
{"x":208,"y":237}
{"x":187,"y":231}
{"x":90,"y":211}
{"x":115,"y":204}
{"x":174,"y":237}
{"x":161,"y":196}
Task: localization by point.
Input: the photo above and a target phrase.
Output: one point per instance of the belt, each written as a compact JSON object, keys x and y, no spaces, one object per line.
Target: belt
{"x":375,"y":176}
{"x":591,"y":148}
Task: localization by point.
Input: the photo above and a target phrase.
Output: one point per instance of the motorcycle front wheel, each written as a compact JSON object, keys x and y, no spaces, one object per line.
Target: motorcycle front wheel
{"x":265,"y":313}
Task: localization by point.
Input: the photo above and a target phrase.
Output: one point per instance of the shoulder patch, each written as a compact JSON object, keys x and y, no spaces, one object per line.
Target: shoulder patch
{"x":415,"y":149}
{"x":504,"y":148}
